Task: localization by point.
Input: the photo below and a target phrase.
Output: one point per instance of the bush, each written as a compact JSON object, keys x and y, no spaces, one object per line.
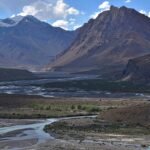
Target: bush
{"x":79,"y":107}
{"x":94,"y":109}
{"x":48,"y":108}
{"x":73,"y":107}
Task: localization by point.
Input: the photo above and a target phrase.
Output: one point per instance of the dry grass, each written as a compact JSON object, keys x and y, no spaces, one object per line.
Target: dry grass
{"x":139,"y":114}
{"x":21,"y":106}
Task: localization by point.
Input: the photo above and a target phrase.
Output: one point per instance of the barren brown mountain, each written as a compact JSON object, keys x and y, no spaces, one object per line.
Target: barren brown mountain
{"x":105,"y":45}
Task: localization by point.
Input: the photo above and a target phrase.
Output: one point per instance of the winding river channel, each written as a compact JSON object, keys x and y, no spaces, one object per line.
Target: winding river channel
{"x":24,"y":137}
{"x":34,"y":87}
{"x":12,"y":135}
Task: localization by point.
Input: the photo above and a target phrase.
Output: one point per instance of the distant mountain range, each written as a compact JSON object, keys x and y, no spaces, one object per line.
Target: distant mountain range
{"x":28,"y":43}
{"x":105,"y":45}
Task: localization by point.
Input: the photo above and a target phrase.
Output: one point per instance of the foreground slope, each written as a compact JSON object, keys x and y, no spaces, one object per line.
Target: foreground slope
{"x":139,"y":114}
{"x":105,"y":45}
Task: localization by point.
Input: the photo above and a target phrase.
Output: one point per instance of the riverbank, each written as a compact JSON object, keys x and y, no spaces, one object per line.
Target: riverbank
{"x":32,"y":137}
{"x":84,"y":145}
{"x":13,"y":122}
{"x":33,"y":107}
{"x":84,"y":133}
{"x":72,"y":133}
{"x":127,"y":127}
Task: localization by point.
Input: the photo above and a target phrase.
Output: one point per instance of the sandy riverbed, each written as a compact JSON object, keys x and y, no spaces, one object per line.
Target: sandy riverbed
{"x":64,"y":142}
{"x":89,"y":142}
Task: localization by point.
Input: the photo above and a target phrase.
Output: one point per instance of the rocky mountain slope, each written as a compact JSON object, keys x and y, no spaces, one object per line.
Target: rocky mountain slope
{"x":138,"y":70}
{"x":28,"y":43}
{"x":105,"y":45}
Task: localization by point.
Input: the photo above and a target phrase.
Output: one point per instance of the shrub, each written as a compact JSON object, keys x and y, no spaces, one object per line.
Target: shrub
{"x":79,"y":107}
{"x":73,"y":107}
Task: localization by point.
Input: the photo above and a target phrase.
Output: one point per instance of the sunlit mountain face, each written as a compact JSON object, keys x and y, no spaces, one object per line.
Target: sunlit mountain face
{"x":105,"y":45}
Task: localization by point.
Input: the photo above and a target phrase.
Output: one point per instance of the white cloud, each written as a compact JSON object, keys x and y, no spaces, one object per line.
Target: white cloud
{"x":95,"y":15}
{"x":73,"y":11}
{"x":12,"y":16}
{"x":60,"y":8}
{"x":28,"y":10}
{"x":49,"y":9}
{"x":61,"y":23}
{"x":102,"y":7}
{"x":128,"y":1}
{"x":52,"y":9}
{"x":145,"y":13}
{"x":67,"y":24}
{"x":77,"y":26}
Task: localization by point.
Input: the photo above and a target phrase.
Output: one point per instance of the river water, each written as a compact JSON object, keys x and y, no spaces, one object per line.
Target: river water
{"x":21,"y":133}
{"x":28,"y":132}
{"x":33,"y":87}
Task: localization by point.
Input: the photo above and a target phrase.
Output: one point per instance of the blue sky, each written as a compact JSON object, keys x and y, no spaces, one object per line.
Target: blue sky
{"x":68,"y":14}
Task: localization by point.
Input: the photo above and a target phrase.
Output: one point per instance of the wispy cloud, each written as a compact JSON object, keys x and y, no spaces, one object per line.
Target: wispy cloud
{"x":55,"y":10}
{"x":95,"y":15}
{"x":145,"y":13}
{"x":44,"y":10}
{"x":128,"y":1}
{"x":61,"y":23}
{"x":102,"y":7}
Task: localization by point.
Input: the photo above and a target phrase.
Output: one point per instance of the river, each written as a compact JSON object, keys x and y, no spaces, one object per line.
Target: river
{"x":11,"y":136}
{"x":33,"y":87}
{"x":25,"y":137}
